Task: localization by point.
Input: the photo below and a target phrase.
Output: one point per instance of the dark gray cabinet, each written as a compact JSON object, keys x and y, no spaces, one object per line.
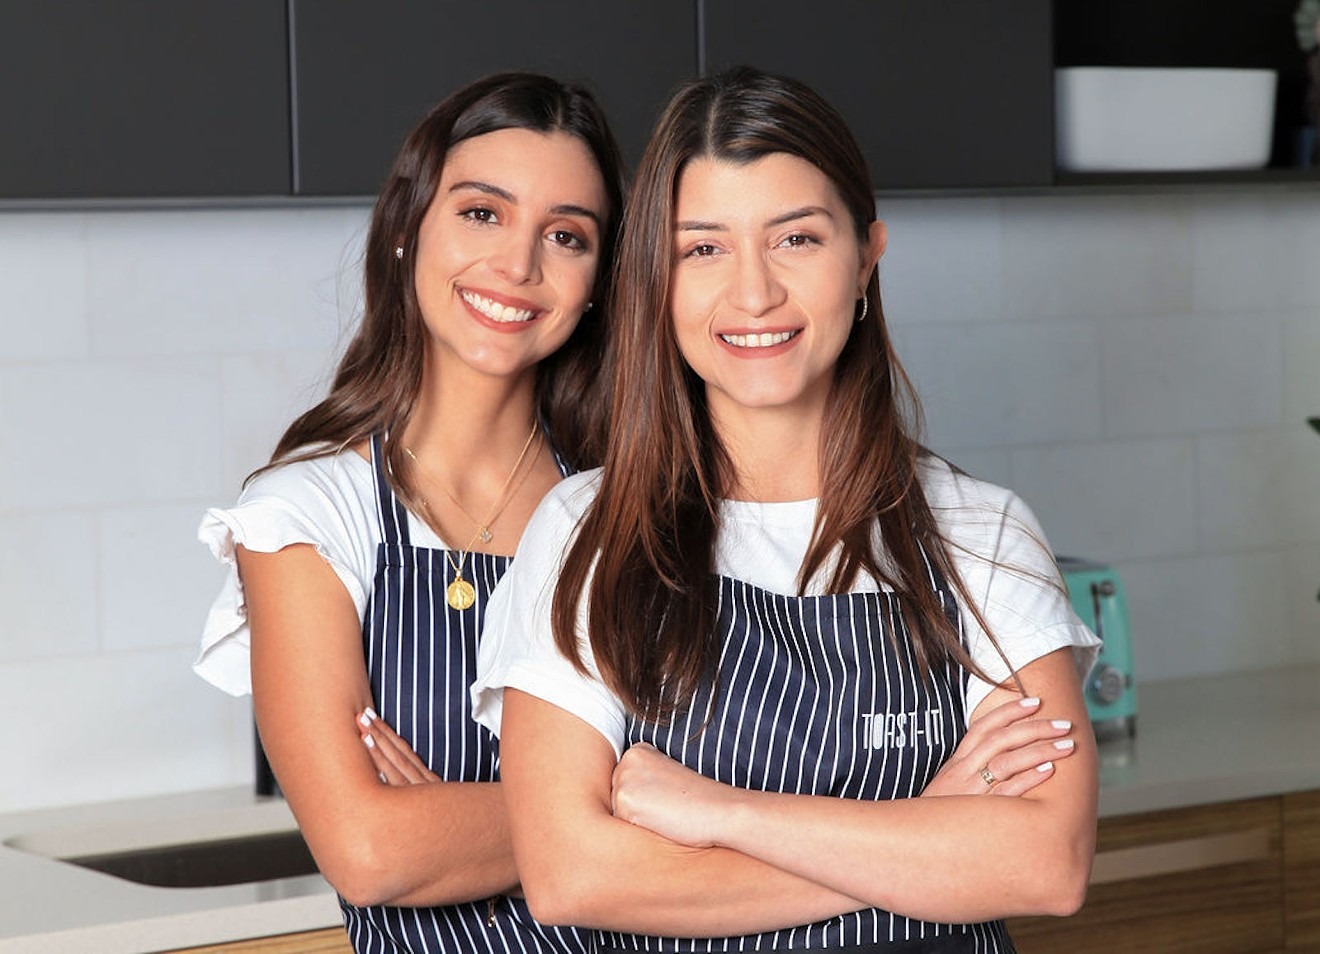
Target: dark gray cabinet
{"x":951,"y":94}
{"x":364,"y":73}
{"x":143,"y":98}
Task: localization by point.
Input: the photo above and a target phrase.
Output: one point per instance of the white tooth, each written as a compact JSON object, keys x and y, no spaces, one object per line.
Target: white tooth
{"x":767,"y":339}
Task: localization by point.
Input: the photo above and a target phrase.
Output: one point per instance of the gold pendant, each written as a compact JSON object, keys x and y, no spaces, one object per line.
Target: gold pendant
{"x":485,"y":534}
{"x":460,"y":594}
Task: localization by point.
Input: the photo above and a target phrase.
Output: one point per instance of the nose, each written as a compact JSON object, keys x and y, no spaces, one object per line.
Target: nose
{"x":518,"y":257}
{"x":755,"y":289}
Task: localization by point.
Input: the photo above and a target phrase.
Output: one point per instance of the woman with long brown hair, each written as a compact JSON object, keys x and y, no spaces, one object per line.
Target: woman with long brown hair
{"x":365,"y":552}
{"x":725,"y":666}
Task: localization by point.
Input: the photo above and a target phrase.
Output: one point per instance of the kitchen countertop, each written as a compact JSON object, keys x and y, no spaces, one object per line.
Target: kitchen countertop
{"x":1216,"y":739}
{"x":1198,"y":741}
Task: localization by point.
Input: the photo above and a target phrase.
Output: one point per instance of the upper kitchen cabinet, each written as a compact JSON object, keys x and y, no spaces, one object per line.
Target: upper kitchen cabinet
{"x":143,"y":99}
{"x":365,"y":73}
{"x":941,"y":95}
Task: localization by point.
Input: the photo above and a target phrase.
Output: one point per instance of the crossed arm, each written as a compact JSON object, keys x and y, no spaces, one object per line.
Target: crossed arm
{"x":422,"y":844}
{"x":705,"y":859}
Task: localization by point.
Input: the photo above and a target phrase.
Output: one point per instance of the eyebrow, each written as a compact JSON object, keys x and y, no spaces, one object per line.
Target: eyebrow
{"x":487,"y":188}
{"x":697,"y":225}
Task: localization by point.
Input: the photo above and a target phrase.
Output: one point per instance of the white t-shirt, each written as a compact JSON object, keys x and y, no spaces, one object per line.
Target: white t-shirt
{"x":329,"y":502}
{"x":995,"y":542}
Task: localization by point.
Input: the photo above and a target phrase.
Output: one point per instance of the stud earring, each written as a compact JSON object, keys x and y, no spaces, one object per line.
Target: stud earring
{"x":588,"y":308}
{"x":865,"y":305}
{"x":398,"y":252}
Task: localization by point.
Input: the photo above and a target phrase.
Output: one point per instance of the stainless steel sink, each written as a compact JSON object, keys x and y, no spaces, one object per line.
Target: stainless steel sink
{"x":208,"y":863}
{"x":210,"y":847}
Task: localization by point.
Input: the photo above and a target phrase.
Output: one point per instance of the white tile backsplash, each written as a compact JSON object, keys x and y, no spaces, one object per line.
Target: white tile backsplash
{"x":1301,"y":366}
{"x":48,"y":569}
{"x":1204,"y":615}
{"x":1137,"y":368}
{"x":114,"y":725}
{"x":157,"y":581}
{"x":1005,"y":383}
{"x":1259,"y":489}
{"x":1257,"y":252}
{"x":262,"y":393}
{"x":221,"y":281}
{"x":43,"y":287}
{"x":109,"y":432}
{"x":1304,"y":603}
{"x":942,"y":262}
{"x":1112,"y":501}
{"x":1192,"y":374}
{"x":1097,"y":256}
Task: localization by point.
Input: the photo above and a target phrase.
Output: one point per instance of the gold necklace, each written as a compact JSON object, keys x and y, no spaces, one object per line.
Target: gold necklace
{"x":460,"y":594}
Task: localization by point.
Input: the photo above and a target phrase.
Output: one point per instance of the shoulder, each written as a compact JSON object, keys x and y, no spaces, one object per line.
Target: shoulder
{"x":573,"y":495}
{"x":561,"y":509}
{"x":329,"y":501}
{"x":978,"y":518}
{"x":345,"y":475}
{"x":952,"y":492}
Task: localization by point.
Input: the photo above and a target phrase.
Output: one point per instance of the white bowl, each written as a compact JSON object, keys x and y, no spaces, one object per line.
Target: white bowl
{"x":1112,"y":119}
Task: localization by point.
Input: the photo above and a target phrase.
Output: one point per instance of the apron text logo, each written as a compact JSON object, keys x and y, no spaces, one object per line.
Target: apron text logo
{"x":897,"y":730}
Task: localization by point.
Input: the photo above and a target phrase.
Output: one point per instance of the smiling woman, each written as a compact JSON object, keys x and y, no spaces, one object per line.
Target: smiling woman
{"x":365,"y":553}
{"x":768,"y":275}
{"x":755,"y":678}
{"x":511,"y":246}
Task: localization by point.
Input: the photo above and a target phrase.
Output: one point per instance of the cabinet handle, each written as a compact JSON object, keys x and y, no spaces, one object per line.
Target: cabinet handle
{"x":1189,"y":854}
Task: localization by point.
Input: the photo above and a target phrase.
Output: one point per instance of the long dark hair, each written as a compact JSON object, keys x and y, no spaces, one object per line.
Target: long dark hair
{"x":647,"y":542}
{"x":380,"y":374}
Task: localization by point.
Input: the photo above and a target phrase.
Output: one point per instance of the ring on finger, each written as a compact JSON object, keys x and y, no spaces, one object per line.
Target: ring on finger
{"x":988,"y":776}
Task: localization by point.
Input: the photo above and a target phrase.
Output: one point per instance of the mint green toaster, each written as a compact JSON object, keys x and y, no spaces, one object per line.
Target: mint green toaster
{"x":1110,"y":688}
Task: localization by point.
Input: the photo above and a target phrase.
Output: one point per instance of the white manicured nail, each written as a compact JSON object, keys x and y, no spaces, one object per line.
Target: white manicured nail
{"x":1030,"y":702}
{"x":364,"y":720}
{"x":1045,"y":767}
{"x":370,"y":742}
{"x":383,"y":779}
{"x":1061,"y":723}
{"x":1063,"y":744}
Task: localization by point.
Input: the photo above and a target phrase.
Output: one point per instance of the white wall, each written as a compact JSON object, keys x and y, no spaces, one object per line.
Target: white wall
{"x":1139,"y":368}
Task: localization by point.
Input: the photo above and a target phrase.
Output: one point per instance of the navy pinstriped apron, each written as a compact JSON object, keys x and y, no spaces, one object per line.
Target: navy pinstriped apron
{"x":421,"y":659}
{"x":817,"y":696}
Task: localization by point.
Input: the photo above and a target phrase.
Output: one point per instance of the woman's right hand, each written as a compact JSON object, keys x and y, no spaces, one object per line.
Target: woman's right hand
{"x":394,"y":759}
{"x":1005,"y":752}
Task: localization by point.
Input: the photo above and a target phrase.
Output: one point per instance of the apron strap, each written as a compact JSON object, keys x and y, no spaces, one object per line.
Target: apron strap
{"x":390,"y":512}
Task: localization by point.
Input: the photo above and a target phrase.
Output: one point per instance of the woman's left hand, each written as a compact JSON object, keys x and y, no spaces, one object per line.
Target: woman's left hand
{"x":395,"y":761}
{"x":653,"y":791}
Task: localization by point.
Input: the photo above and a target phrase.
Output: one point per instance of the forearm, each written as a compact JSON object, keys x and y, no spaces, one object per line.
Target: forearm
{"x":616,"y":876}
{"x":948,"y":858}
{"x":420,"y":845}
{"x":958,"y":859}
{"x":582,"y":865}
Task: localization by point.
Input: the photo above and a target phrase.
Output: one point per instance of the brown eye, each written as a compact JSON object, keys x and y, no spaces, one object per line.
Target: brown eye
{"x":567,"y":239}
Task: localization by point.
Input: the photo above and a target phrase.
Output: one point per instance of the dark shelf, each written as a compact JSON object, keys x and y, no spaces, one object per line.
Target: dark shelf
{"x":1211,"y":180}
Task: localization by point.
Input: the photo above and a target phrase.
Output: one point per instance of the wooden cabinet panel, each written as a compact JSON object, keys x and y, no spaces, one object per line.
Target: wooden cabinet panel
{"x":143,"y":99}
{"x":1207,"y":880}
{"x":364,"y":73}
{"x":329,"y":941}
{"x":1301,"y":864}
{"x":950,"y":94}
